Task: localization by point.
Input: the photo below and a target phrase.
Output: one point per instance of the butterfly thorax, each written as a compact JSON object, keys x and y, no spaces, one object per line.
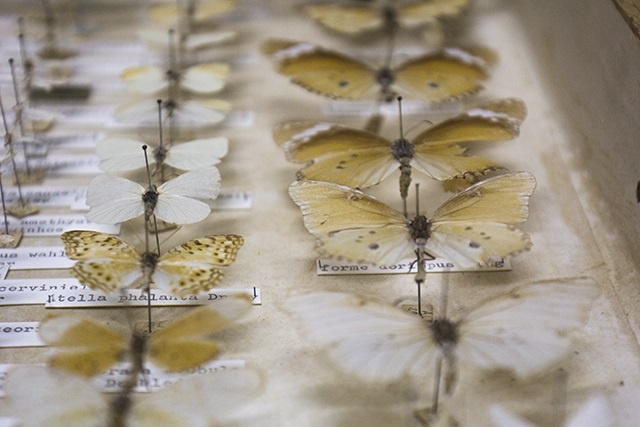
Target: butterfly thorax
{"x":445,"y":334}
{"x":385,"y":77}
{"x":420,"y":229}
{"x":150,"y":200}
{"x":172,"y":75}
{"x":148,"y":263}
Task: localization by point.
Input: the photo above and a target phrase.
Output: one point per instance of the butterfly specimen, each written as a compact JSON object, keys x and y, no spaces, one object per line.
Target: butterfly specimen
{"x":107,"y":263}
{"x":113,"y":199}
{"x":123,"y":154}
{"x":445,"y":75}
{"x":188,"y":41}
{"x":194,"y":112}
{"x":202,"y":79}
{"x":360,"y":159}
{"x":356,"y":19}
{"x":469,"y":229}
{"x":41,"y":396}
{"x":194,"y":11}
{"x":86,"y":347}
{"x":523,"y":331}
{"x":594,"y":413}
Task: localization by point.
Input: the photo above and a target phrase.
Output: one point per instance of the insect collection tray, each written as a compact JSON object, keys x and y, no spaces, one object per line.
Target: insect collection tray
{"x":572,"y":62}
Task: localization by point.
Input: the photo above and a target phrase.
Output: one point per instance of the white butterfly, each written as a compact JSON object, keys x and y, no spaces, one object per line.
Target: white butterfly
{"x":192,"y":41}
{"x":195,"y":112}
{"x":113,"y":199}
{"x":42,"y":396}
{"x":123,"y":154}
{"x":203,"y":79}
{"x":523,"y":331}
{"x":595,"y":412}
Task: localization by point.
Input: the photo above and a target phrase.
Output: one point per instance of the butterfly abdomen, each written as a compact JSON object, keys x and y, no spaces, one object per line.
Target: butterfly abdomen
{"x":148,"y":263}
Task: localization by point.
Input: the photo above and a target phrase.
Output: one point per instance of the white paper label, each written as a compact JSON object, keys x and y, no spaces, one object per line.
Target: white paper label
{"x":55,"y":225}
{"x":84,"y":297}
{"x":67,"y":164}
{"x":4,"y":270}
{"x":331,"y":267}
{"x":236,"y":200}
{"x":35,"y":257}
{"x":19,"y":334}
{"x":45,"y":196}
{"x":36,"y":291}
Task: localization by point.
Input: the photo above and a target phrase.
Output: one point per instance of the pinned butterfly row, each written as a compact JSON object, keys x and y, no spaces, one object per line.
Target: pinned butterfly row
{"x":527,"y":329}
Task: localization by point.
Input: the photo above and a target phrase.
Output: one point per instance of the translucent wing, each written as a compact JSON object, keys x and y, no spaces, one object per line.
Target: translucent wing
{"x":450,"y":74}
{"x":192,"y":267}
{"x":82,"y":346}
{"x":106,"y":262}
{"x":501,"y":417}
{"x":346,"y":19}
{"x":121,"y":154}
{"x":321,"y":71}
{"x":477,"y":224}
{"x":42,"y":396}
{"x":202,"y":111}
{"x":177,"y":198}
{"x":304,"y":141}
{"x":145,"y":79}
{"x":528,"y":328}
{"x":372,"y":340}
{"x":196,"y":401}
{"x":351,"y":224}
{"x":198,"y":153}
{"x":418,"y":13}
{"x":355,"y":168}
{"x":204,"y":78}
{"x":446,"y":163}
{"x":112,"y":200}
{"x":187,"y":341}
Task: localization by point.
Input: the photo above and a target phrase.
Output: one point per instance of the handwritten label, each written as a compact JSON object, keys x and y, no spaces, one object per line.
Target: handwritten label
{"x":19,"y":334}
{"x":330,"y":267}
{"x":35,"y":257}
{"x":54,"y":225}
{"x":85,"y":297}
{"x":45,"y":196}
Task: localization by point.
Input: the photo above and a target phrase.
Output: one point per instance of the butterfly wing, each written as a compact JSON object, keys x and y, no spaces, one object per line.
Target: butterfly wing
{"x":112,"y":199}
{"x":321,"y":71}
{"x":205,"y":78}
{"x":372,"y":340}
{"x":346,"y":19}
{"x":177,"y":202}
{"x":478,"y":223}
{"x":204,"y":10}
{"x":145,"y":79}
{"x":436,"y":153}
{"x":596,"y":412}
{"x":193,"y":41}
{"x":105,"y":262}
{"x":191,"y":268}
{"x":42,"y":396}
{"x":528,"y":328}
{"x":198,"y":153}
{"x":418,"y":13}
{"x":446,"y":75}
{"x":501,"y":417}
{"x":352,"y":225}
{"x":200,"y":112}
{"x":187,"y":341}
{"x":121,"y":154}
{"x":83,"y":346}
{"x":196,"y":401}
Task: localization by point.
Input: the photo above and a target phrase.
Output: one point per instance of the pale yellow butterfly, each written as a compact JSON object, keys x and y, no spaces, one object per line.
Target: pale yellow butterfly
{"x":193,"y":112}
{"x":204,"y":79}
{"x":449,"y":74}
{"x":356,"y":19}
{"x":41,"y":396}
{"x":523,"y":331}
{"x":107,"y":263}
{"x":470,"y":229}
{"x":360,"y":159}
{"x":195,"y":10}
{"x":86,"y":347}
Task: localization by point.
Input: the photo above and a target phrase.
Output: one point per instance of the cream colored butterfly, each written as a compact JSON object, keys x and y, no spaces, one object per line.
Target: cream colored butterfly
{"x":112,"y":199}
{"x":86,"y":347}
{"x":204,"y":79}
{"x":195,"y":10}
{"x":190,"y":41}
{"x":435,"y":77}
{"x":360,"y":159}
{"x":595,"y":412}
{"x":107,"y":263}
{"x":41,"y":396}
{"x":469,"y":229}
{"x":123,"y":154}
{"x":523,"y":331}
{"x":356,"y":19}
{"x":194,"y":112}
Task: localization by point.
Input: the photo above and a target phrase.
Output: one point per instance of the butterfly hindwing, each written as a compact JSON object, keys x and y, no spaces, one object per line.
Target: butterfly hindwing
{"x":197,"y":154}
{"x":205,"y":79}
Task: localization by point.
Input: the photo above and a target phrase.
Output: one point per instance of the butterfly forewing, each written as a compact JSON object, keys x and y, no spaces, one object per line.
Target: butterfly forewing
{"x":528,"y":328}
{"x":144,"y":79}
{"x":112,"y":199}
{"x":446,"y":163}
{"x":121,"y":154}
{"x":346,"y":19}
{"x":198,"y":153}
{"x":418,"y":13}
{"x":372,"y":340}
{"x":205,"y":78}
